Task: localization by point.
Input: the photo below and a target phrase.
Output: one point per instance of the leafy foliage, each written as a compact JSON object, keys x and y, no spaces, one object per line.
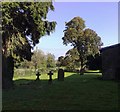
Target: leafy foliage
{"x":86,"y":41}
{"x":23,"y":24}
{"x":41,"y":61}
{"x":60,"y":61}
{"x":38,"y":59}
{"x":50,"y":60}
{"x":71,"y":60}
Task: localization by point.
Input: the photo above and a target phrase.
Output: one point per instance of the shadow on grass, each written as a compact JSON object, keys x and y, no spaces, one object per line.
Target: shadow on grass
{"x":76,"y":92}
{"x":69,"y":80}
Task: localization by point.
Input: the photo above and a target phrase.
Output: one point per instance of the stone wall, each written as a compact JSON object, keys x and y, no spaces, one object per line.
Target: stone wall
{"x":111,"y":62}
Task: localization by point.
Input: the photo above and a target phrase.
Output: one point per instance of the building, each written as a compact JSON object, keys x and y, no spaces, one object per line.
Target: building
{"x":111,"y":62}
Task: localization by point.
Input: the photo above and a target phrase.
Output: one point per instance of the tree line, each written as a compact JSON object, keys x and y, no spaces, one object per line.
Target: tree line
{"x":70,"y":63}
{"x":39,"y":61}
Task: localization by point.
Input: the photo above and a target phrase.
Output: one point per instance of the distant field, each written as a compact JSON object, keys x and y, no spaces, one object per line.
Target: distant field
{"x":76,"y":92}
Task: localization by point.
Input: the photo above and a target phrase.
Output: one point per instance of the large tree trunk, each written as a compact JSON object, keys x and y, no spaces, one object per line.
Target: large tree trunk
{"x":82,"y":68}
{"x":7,"y":72}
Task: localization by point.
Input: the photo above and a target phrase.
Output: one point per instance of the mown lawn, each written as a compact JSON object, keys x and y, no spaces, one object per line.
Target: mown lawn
{"x":76,"y":92}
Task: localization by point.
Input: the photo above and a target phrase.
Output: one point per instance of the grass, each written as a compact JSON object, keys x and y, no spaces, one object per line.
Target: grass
{"x":76,"y":92}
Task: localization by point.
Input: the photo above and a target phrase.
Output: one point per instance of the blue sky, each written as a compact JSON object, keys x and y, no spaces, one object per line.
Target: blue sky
{"x":101,"y":17}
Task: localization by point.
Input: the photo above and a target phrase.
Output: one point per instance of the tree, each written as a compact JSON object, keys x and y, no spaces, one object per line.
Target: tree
{"x":73,"y":54}
{"x":86,"y":41}
{"x":38,"y":59}
{"x":50,"y":60}
{"x":60,"y":61}
{"x":23,"y":24}
{"x":72,"y":59}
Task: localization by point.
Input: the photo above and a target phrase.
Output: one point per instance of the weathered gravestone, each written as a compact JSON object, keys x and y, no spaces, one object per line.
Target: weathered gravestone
{"x":50,"y":76}
{"x":60,"y":74}
{"x":38,"y":76}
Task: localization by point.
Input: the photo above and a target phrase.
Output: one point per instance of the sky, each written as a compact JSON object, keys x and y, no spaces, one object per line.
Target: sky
{"x":101,"y":17}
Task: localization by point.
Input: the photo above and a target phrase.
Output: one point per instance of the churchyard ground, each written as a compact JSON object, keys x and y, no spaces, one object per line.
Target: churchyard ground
{"x":76,"y":92}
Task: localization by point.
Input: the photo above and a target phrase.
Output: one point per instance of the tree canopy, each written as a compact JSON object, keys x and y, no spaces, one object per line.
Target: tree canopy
{"x":23,"y":24}
{"x":70,"y":62}
{"x":50,"y":60}
{"x":85,"y":40}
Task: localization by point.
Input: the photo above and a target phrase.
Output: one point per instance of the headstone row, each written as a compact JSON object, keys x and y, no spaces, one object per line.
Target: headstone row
{"x":60,"y":75}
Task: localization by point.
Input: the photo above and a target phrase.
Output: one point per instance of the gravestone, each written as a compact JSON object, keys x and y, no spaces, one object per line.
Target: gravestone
{"x":60,"y":74}
{"x":38,"y":76}
{"x":50,"y":76}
